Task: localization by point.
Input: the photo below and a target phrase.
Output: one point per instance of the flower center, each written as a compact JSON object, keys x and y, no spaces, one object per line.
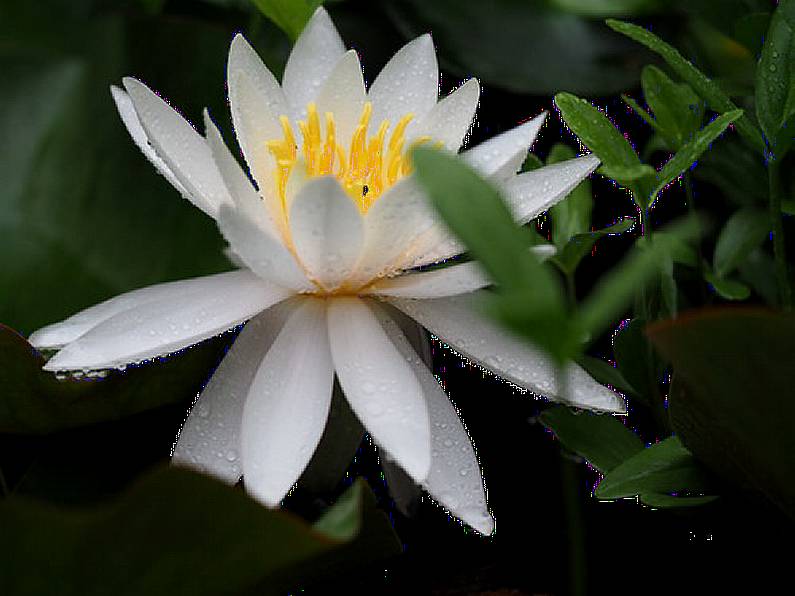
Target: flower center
{"x":365,"y":169}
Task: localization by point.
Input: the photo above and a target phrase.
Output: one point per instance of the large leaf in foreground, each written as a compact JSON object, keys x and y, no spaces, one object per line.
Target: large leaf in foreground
{"x":33,"y":401}
{"x":175,"y":533}
{"x":736,"y":410}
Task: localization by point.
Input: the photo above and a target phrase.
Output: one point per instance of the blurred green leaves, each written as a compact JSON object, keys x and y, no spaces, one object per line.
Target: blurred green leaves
{"x":289,"y":15}
{"x":733,"y":405}
{"x":210,"y":539}
{"x":524,"y":46}
{"x":83,"y":213}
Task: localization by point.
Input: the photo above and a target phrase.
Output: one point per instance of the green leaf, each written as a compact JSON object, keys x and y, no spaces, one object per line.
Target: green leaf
{"x":531,"y":162}
{"x":733,"y":407}
{"x":775,"y":79}
{"x":751,"y":29}
{"x":690,"y":152}
{"x":600,"y":438}
{"x":289,"y":15}
{"x":647,"y":118}
{"x":707,"y":89}
{"x":605,"y":373}
{"x":582,"y":244}
{"x":738,"y":173}
{"x":665,"y":467}
{"x":36,"y":402}
{"x":608,"y":8}
{"x":532,"y":298}
{"x":486,"y":226}
{"x":662,"y":501}
{"x":677,"y":109}
{"x":572,"y":215}
{"x":635,"y":359}
{"x":615,"y":289}
{"x":522,"y":46}
{"x":745,"y":231}
{"x":208,"y":537}
{"x":596,"y":132}
{"x":727,"y":288}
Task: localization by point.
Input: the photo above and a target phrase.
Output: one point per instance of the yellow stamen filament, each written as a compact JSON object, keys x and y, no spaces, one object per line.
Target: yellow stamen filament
{"x":368,"y":167}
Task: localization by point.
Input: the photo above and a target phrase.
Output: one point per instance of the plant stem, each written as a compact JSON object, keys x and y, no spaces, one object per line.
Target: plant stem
{"x":575,"y":528}
{"x":3,"y":484}
{"x":578,"y":562}
{"x":777,"y":225}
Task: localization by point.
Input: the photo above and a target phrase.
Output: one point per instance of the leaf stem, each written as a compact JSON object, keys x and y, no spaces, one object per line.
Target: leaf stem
{"x":777,"y":225}
{"x":572,"y":506}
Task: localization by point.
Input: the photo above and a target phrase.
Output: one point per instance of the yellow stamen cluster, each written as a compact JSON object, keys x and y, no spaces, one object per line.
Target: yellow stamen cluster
{"x":365,"y":170}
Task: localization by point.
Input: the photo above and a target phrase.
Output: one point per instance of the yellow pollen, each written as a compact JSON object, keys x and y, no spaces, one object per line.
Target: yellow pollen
{"x":365,"y":169}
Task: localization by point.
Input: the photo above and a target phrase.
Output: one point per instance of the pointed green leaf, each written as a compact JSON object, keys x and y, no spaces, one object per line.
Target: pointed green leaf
{"x":616,"y":289}
{"x":745,"y":230}
{"x":605,"y":373}
{"x":727,"y":288}
{"x":690,"y":152}
{"x":582,"y":244}
{"x":707,"y":89}
{"x":289,"y":15}
{"x":596,"y":131}
{"x":647,"y":118}
{"x":663,"y":501}
{"x":573,"y":214}
{"x":775,"y":79}
{"x":665,"y":467}
{"x":602,"y":439}
{"x":677,"y":109}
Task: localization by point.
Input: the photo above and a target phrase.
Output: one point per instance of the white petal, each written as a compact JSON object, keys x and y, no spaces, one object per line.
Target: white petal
{"x":243,"y":60}
{"x":314,"y":55}
{"x":454,"y":480}
{"x":530,"y":194}
{"x":287,"y":405}
{"x":237,"y":183}
{"x":455,"y":320}
{"x":395,"y":221}
{"x":343,"y":95}
{"x":67,"y":331}
{"x":408,"y":84}
{"x":256,"y":102}
{"x":327,"y":230}
{"x":501,"y":157}
{"x":380,"y":385}
{"x":450,"y":119}
{"x":210,"y":438}
{"x":448,"y":281}
{"x":156,"y":328}
{"x":130,"y":118}
{"x":261,"y":251}
{"x":180,"y":146}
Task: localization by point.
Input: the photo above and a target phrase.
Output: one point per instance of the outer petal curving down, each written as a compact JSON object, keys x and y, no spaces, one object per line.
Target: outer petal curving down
{"x":456,"y":321}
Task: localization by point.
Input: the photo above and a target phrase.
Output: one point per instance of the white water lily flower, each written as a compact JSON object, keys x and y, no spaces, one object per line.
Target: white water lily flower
{"x":327,"y":238}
